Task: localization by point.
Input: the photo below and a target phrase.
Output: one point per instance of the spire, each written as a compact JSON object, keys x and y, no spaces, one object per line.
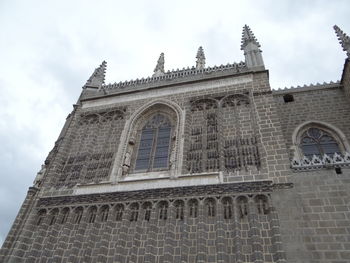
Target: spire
{"x":251,"y":48}
{"x":159,"y":70}
{"x":98,"y":77}
{"x":344,"y":40}
{"x":200,"y":63}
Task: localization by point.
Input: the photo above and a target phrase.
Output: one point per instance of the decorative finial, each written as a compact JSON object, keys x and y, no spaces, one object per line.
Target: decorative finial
{"x":97,"y":78}
{"x":200,"y":63}
{"x":251,"y":48}
{"x":248,"y":37}
{"x":344,"y":40}
{"x":159,"y":70}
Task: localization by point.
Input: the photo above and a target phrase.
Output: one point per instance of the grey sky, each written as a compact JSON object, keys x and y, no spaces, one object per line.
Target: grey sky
{"x":48,"y":50}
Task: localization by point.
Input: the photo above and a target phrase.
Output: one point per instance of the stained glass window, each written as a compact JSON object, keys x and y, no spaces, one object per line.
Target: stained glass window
{"x":318,"y":142}
{"x":153,"y":151}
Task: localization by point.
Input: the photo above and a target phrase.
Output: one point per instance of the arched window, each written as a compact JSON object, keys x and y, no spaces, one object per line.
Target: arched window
{"x":262,"y":205}
{"x":154,"y":146}
{"x":147,"y":207}
{"x":227,"y":204}
{"x":315,"y":141}
{"x":92,"y":214}
{"x":163,"y":210}
{"x":104,"y":213}
{"x":210,"y":205}
{"x":78,"y":213}
{"x":134,"y":212}
{"x":193,"y":208}
{"x":40,"y":217}
{"x":65,"y":214}
{"x":53,"y":216}
{"x":242,"y":205}
{"x":179,"y":209}
{"x":119,"y":209}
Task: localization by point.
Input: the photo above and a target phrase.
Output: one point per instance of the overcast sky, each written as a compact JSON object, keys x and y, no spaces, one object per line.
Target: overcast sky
{"x":48,"y":50}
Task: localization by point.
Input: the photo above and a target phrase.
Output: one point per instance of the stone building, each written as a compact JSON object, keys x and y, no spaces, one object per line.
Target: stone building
{"x":203,"y":164}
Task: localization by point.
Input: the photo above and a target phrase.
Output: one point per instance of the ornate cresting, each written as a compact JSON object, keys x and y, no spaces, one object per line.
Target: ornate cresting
{"x":319,"y":162}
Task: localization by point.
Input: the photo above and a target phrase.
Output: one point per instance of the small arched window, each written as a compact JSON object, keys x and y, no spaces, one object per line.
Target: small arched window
{"x":147,"y":207}
{"x":242,"y":205}
{"x":262,"y":204}
{"x":154,"y":146}
{"x":78,"y":214}
{"x":315,"y":141}
{"x":179,"y":209}
{"x":65,"y":214}
{"x":193,"y":208}
{"x":210,"y":205}
{"x":92,"y":214}
{"x":227,"y":204}
{"x":40,"y":217}
{"x":134,"y":212}
{"x":104,"y":213}
{"x":119,"y":209}
{"x":163,"y":210}
{"x":53,"y":216}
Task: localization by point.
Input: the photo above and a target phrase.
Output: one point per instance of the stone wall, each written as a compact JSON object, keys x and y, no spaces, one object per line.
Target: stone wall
{"x":315,"y":217}
{"x":200,"y":226}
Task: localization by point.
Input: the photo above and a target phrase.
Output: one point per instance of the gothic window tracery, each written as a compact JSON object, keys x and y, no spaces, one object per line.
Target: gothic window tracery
{"x":154,"y":144}
{"x":316,"y":141}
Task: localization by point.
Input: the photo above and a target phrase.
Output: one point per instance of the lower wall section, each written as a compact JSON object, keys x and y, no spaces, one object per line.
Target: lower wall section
{"x":212,"y":227}
{"x":315,"y":217}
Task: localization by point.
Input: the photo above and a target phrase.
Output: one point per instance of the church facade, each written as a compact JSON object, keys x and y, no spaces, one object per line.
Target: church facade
{"x":203,"y":164}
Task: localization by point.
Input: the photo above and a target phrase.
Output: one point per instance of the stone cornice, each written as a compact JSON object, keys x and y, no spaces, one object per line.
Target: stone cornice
{"x":169,"y":79}
{"x":165,"y":193}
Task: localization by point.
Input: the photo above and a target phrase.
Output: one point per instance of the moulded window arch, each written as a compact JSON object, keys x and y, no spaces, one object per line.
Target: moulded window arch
{"x":154,"y":144}
{"x":316,"y":141}
{"x":319,"y":138}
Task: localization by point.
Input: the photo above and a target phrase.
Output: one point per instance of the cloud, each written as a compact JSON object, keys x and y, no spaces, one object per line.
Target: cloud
{"x":50,"y":48}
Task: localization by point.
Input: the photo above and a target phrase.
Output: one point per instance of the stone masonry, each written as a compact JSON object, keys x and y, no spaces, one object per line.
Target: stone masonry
{"x":203,"y":164}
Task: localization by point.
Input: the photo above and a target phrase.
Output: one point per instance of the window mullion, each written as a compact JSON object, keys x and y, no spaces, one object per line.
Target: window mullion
{"x":154,"y":146}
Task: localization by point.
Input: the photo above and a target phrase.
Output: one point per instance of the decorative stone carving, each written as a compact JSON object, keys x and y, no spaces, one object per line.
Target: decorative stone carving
{"x":344,"y":40}
{"x":200,"y":63}
{"x":317,"y":162}
{"x":159,"y":70}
